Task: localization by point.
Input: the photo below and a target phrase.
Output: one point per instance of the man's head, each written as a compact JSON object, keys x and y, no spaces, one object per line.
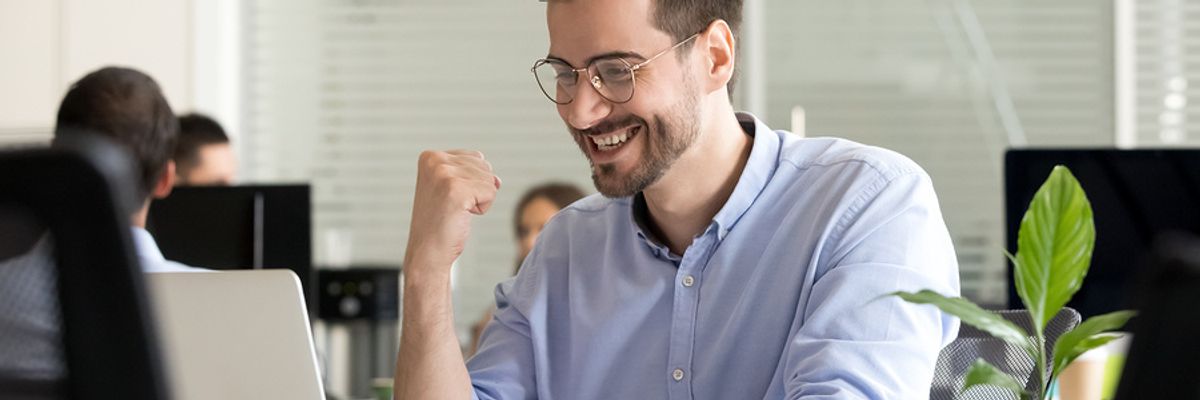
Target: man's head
{"x":128,"y":107}
{"x":203,"y":155}
{"x":632,"y":141}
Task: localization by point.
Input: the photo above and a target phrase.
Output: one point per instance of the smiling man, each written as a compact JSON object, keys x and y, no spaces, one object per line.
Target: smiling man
{"x":722,"y":260}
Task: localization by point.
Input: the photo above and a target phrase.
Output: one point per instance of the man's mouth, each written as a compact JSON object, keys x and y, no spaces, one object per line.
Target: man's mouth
{"x":613,"y":140}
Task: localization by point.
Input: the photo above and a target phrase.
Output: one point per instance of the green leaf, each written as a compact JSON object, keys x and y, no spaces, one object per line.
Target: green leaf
{"x":1088,"y":335}
{"x":971,"y":314}
{"x":982,"y":373}
{"x":1054,"y":245}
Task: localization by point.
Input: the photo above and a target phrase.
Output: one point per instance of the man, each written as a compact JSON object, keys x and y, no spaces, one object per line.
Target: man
{"x":203,"y":156}
{"x":127,"y":107}
{"x":723,"y":261}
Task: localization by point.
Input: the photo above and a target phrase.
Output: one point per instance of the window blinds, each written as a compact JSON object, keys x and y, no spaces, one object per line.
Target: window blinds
{"x":1166,"y":65}
{"x":347,"y":93}
{"x":905,"y":75}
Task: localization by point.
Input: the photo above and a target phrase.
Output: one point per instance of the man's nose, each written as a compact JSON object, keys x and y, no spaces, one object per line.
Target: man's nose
{"x":588,"y":108}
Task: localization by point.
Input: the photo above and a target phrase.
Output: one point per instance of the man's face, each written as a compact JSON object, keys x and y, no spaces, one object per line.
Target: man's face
{"x":217,"y":166}
{"x":661,"y":121}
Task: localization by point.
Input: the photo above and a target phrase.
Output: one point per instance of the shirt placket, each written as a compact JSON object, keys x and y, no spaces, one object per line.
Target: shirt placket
{"x":683,"y":322}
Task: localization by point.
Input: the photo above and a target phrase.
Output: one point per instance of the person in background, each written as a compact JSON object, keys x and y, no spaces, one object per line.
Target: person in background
{"x":534,"y":210}
{"x":127,"y":107}
{"x":203,"y":156}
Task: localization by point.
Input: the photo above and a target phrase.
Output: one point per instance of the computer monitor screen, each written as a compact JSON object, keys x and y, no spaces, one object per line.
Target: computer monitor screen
{"x":237,"y":227}
{"x":1136,"y":195}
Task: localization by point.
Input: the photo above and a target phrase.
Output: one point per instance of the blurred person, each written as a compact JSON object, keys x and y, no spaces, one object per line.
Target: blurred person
{"x":203,"y":156}
{"x":534,"y":210}
{"x":127,"y":107}
{"x":721,"y":260}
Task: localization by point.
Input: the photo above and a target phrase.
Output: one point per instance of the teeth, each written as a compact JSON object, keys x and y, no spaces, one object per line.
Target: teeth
{"x":611,"y":140}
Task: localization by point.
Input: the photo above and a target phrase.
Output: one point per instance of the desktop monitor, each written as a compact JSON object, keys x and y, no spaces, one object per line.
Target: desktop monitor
{"x":1136,"y":196}
{"x":237,"y":227}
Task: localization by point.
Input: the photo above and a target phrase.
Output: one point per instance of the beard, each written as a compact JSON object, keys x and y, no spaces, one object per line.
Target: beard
{"x":672,"y":133}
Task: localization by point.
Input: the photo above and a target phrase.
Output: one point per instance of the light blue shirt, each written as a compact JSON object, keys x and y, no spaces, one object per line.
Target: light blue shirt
{"x":781,"y":297}
{"x":29,"y":318}
{"x":151,"y":258}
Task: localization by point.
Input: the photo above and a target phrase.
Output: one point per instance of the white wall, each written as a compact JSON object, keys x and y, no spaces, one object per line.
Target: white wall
{"x":48,"y":44}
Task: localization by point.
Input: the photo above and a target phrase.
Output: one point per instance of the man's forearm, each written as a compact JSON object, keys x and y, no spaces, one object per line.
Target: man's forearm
{"x":430,"y":364}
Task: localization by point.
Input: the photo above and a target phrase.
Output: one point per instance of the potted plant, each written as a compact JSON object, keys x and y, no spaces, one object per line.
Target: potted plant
{"x":1054,"y":251}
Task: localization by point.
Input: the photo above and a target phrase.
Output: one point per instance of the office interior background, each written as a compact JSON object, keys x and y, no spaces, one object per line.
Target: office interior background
{"x":345,"y":93}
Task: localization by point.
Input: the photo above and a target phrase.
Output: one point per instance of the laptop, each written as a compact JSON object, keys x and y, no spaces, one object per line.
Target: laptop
{"x":235,"y":335}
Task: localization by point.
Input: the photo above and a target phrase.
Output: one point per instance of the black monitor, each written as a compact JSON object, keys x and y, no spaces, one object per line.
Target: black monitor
{"x":237,"y":227}
{"x":1136,"y":195}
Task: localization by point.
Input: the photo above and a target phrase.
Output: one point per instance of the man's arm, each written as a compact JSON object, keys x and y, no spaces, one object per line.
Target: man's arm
{"x":451,"y":187}
{"x":856,"y":341}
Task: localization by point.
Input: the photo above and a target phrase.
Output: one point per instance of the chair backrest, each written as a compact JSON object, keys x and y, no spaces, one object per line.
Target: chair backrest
{"x":973,"y":344}
{"x":102,"y":339}
{"x":1162,"y":357}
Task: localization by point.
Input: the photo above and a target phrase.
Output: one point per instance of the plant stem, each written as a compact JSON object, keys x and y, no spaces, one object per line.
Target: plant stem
{"x":1043,"y":387}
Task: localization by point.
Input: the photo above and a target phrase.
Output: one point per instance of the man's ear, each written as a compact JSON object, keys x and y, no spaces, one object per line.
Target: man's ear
{"x":166,"y":181}
{"x":718,"y":48}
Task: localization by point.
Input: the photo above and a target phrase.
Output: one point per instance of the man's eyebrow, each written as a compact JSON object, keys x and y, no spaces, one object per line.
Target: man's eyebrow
{"x":611,"y":54}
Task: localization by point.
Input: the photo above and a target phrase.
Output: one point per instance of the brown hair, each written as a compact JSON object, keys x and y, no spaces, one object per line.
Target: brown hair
{"x":127,"y":106}
{"x":684,"y":18}
{"x":561,"y":194}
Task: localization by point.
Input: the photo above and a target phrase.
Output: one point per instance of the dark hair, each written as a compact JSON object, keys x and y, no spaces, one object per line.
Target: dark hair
{"x":195,"y":131}
{"x":127,"y":106}
{"x":684,"y":18}
{"x":561,"y":194}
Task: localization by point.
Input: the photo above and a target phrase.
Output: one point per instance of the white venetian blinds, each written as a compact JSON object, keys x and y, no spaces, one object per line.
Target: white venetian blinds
{"x":1166,"y":71}
{"x":346,"y":93}
{"x":908,"y":75}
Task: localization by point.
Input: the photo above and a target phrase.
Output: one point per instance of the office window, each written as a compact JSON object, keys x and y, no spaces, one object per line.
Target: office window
{"x":913,"y":76}
{"x":346,"y":93}
{"x":1165,"y":72}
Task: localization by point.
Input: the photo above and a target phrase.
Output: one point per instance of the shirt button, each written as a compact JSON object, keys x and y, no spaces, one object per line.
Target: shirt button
{"x":688,"y":281}
{"x":677,"y":374}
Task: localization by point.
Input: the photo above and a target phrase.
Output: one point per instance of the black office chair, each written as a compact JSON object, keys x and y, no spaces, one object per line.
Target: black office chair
{"x":80,"y":193}
{"x":1163,"y":354}
{"x":972,"y":344}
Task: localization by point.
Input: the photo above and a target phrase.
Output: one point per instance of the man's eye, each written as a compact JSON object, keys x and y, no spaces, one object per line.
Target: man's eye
{"x":614,"y":74}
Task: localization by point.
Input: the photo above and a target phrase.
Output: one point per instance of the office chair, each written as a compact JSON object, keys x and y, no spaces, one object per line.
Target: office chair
{"x":80,"y":191}
{"x":1163,"y":354}
{"x":972,"y":344}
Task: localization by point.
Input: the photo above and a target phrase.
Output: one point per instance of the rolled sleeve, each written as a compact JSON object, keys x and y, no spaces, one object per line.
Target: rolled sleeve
{"x":503,"y":368}
{"x":855,"y":340}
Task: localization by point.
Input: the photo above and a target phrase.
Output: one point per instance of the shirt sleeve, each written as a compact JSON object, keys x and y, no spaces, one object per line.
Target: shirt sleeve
{"x":503,"y":366}
{"x":855,"y":341}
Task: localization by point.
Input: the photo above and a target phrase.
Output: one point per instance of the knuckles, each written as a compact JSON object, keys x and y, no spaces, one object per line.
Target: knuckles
{"x":448,"y":176}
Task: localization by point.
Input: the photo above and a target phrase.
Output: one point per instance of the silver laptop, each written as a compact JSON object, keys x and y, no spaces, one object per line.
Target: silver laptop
{"x":235,"y":335}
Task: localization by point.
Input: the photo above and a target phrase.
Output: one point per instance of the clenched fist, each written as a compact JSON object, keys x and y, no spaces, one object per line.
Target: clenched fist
{"x":451,"y":187}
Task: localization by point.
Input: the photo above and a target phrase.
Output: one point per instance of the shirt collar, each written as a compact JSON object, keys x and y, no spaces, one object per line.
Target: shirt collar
{"x":760,"y":166}
{"x":146,"y":247}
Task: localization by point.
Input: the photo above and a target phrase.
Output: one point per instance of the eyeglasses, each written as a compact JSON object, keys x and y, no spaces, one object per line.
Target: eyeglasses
{"x":613,"y":78}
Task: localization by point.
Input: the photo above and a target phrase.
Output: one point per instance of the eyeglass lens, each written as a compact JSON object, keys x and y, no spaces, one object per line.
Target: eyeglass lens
{"x":612,"y":78}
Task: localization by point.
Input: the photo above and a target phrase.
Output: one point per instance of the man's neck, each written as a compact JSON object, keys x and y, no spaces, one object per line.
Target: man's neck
{"x":138,"y":219}
{"x":683,"y":202}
